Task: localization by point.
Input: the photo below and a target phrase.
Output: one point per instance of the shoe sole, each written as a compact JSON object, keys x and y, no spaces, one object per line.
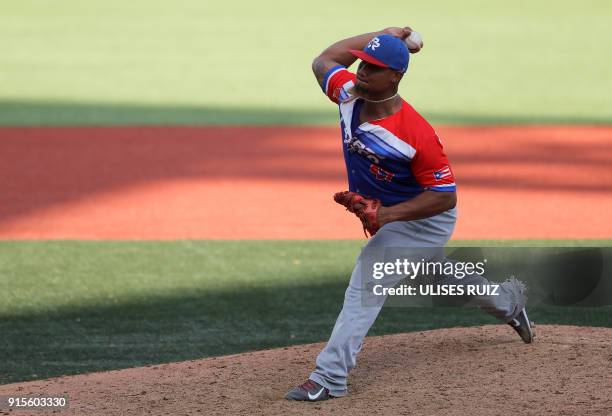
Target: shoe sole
{"x":530,"y":327}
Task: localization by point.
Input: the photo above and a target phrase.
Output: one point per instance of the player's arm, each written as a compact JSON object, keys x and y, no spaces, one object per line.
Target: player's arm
{"x":338,"y":53}
{"x":425,"y":205}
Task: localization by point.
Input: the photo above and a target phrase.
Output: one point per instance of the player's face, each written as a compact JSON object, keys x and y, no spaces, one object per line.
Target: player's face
{"x":373,"y":80}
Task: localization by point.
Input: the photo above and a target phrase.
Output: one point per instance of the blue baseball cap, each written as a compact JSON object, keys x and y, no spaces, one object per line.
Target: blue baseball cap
{"x":387,"y":51}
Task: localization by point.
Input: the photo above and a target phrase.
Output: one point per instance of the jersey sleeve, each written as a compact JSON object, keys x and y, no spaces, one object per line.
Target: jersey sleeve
{"x":337,"y":83}
{"x":430,"y":166}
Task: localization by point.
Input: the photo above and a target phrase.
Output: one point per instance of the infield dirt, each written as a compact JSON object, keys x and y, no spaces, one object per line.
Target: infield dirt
{"x":462,"y":371}
{"x":277,"y":182}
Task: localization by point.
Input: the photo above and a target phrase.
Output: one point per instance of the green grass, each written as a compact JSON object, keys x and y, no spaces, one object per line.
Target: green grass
{"x":68,"y":307}
{"x":492,"y":62}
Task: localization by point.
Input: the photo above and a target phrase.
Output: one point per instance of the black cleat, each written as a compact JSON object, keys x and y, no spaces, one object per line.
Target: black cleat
{"x":308,"y":392}
{"x":523,"y":326}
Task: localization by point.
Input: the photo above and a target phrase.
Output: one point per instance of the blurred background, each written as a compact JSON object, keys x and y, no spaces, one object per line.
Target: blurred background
{"x":195,"y":62}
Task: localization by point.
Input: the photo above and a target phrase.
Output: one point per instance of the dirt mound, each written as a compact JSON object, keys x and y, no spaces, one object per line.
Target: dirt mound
{"x":475,"y":371}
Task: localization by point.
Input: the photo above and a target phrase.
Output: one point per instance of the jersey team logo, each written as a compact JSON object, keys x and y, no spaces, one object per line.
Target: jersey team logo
{"x":442,"y":173}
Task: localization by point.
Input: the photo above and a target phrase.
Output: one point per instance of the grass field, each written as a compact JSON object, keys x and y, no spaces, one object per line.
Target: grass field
{"x":208,"y":62}
{"x":71,"y":307}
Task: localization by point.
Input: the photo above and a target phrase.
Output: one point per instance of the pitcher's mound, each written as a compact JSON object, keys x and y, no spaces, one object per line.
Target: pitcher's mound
{"x":461,"y":371}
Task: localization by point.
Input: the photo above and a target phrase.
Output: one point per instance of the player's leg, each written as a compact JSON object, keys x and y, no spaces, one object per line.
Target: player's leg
{"x":361,"y":306}
{"x":505,"y":306}
{"x":504,"y":303}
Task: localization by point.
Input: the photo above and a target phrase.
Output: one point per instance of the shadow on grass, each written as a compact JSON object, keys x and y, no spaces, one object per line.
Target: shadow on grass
{"x":57,"y":113}
{"x":195,"y":325}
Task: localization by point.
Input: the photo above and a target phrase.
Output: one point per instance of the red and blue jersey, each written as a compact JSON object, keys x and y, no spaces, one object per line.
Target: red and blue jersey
{"x":394,"y":158}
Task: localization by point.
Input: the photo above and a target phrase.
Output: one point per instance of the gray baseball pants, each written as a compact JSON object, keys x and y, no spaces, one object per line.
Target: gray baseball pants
{"x":360,"y":308}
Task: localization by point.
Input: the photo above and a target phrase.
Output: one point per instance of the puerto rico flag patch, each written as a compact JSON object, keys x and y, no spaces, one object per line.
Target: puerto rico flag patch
{"x":442,"y":173}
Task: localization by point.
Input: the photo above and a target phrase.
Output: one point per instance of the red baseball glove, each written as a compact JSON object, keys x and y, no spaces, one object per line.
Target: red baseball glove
{"x":366,"y":209}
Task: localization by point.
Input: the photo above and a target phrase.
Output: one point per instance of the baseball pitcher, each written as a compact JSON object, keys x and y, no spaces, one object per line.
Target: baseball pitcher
{"x":401,"y":186}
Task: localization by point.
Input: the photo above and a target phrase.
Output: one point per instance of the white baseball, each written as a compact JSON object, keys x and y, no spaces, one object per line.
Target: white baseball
{"x":414,"y":42}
